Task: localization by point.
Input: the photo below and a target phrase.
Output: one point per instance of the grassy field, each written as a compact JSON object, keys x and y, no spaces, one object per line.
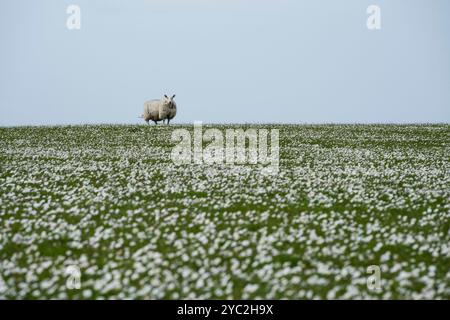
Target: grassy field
{"x":108,"y":200}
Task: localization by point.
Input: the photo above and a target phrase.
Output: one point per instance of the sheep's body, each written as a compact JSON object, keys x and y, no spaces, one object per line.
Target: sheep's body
{"x":154,"y":110}
{"x":160,"y":110}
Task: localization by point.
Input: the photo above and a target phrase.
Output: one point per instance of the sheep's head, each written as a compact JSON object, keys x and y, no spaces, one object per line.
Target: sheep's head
{"x":169,"y":100}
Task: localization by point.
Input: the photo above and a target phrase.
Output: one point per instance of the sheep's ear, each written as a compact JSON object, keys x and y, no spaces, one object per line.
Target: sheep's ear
{"x":166,"y":96}
{"x":173,"y":96}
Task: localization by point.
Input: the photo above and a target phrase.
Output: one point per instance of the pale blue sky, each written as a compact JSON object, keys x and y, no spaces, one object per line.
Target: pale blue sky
{"x":309,"y":61}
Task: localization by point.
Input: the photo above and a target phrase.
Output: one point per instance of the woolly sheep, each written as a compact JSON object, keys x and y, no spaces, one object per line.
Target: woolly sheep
{"x":160,"y":110}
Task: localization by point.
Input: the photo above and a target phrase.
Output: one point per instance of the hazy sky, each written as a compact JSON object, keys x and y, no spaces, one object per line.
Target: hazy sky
{"x":310,"y":61}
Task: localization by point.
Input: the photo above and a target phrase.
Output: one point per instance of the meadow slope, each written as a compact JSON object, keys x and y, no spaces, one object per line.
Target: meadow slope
{"x":108,"y":200}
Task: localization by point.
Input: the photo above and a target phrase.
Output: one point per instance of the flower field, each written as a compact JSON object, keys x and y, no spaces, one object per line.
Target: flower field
{"x":108,"y":201}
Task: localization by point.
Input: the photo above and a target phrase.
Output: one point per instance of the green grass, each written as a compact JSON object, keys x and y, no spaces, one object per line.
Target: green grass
{"x":108,"y":199}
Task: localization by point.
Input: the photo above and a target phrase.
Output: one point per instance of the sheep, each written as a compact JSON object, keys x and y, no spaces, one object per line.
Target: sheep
{"x":160,"y":110}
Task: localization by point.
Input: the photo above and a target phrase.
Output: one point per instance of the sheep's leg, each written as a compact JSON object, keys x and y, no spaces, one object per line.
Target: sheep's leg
{"x":155,"y":122}
{"x":168,"y":121}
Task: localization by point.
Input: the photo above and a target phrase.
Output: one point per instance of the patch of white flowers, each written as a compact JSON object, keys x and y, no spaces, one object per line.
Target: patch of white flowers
{"x":109,"y":200}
